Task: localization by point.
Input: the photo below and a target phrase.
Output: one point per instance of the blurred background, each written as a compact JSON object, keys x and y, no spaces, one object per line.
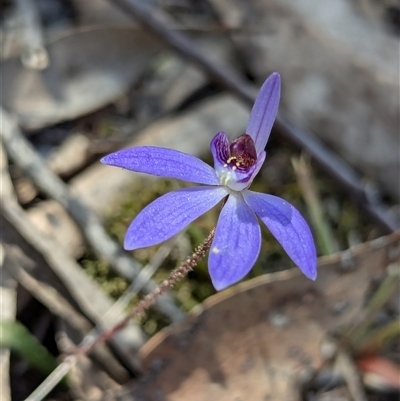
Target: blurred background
{"x":80,"y":79}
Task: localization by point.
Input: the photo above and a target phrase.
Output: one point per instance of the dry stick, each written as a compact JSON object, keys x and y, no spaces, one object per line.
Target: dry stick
{"x":156,"y":21}
{"x":117,"y":310}
{"x":25,"y":156}
{"x":348,"y":369}
{"x":176,"y":275}
{"x":59,"y":306}
{"x":84,"y":291}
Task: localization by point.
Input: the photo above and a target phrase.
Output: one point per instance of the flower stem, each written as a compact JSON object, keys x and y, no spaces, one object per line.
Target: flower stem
{"x":176,"y":275}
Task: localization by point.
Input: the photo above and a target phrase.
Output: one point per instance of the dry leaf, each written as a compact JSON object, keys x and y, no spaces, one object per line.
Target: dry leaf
{"x":256,"y":341}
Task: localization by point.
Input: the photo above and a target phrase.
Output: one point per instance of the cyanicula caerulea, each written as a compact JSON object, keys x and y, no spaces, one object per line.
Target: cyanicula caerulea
{"x":236,"y":245}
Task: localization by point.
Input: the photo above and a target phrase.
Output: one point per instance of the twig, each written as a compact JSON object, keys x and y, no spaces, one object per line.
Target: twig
{"x":60,"y":307}
{"x":24,"y":155}
{"x":115,"y":313}
{"x":85,"y":292}
{"x":350,"y":374}
{"x":175,"y":276}
{"x":53,"y":379}
{"x":89,"y":343}
{"x":46,"y":294}
{"x":154,"y":19}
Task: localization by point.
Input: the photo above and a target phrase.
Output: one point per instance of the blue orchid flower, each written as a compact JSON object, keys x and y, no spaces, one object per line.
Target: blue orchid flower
{"x":237,"y":241}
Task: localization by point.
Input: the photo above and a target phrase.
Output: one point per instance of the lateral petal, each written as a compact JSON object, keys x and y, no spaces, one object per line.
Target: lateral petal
{"x":288,"y":227}
{"x":219,"y":147}
{"x":163,"y":162}
{"x":236,"y":244}
{"x":169,"y":214}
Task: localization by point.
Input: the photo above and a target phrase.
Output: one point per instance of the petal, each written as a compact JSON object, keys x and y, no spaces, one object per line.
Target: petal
{"x":236,"y":243}
{"x":288,"y":227}
{"x":219,"y":147}
{"x":163,"y":162}
{"x":264,"y":111}
{"x":169,"y":214}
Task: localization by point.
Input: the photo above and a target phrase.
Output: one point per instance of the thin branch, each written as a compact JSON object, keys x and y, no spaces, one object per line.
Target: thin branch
{"x":155,"y":20}
{"x":116,"y":312}
{"x":89,"y":342}
{"x":348,"y":369}
{"x":59,"y":306}
{"x":53,"y":379}
{"x":25,"y":156}
{"x":175,"y":276}
{"x":86,"y":293}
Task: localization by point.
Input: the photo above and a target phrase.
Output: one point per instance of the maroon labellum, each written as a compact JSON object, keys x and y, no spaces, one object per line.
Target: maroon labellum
{"x":243,"y":151}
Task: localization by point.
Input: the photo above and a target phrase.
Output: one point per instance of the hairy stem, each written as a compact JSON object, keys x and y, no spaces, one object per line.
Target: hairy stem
{"x":139,"y":310}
